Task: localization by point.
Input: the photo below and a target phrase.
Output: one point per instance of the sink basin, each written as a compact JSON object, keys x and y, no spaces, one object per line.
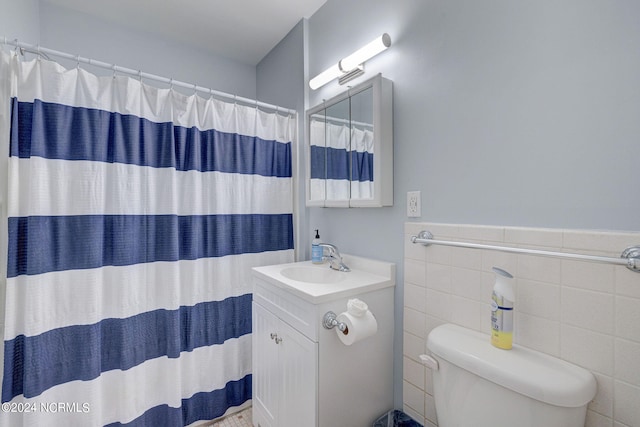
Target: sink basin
{"x":317,"y":283}
{"x":311,"y":274}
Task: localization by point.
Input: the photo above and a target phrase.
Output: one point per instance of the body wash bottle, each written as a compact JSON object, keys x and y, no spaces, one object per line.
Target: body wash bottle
{"x":502,"y":310}
{"x":316,"y":250}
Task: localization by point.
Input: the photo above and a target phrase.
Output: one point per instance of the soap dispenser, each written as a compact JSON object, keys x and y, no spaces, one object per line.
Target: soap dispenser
{"x":502,"y":310}
{"x":316,"y":250}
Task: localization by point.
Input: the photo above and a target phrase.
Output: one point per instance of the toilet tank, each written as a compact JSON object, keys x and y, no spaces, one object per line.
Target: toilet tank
{"x":478,"y":385}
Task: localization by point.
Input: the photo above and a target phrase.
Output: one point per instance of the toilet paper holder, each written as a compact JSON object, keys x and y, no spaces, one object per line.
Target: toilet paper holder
{"x":330,"y":321}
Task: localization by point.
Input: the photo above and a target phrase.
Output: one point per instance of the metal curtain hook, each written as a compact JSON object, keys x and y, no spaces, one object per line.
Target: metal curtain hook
{"x":18,"y":50}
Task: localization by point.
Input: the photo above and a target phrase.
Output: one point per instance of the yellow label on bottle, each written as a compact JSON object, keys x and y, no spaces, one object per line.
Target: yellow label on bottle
{"x":501,"y":322}
{"x":502,"y":339}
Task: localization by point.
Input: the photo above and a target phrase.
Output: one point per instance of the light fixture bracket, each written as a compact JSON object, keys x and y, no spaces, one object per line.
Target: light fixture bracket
{"x":350,"y":75}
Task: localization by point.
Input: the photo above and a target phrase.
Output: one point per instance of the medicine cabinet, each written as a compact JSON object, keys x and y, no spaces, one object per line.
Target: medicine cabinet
{"x":350,"y":148}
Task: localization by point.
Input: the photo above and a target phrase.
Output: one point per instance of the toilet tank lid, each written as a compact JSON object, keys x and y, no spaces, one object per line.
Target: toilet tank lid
{"x":525,"y":371}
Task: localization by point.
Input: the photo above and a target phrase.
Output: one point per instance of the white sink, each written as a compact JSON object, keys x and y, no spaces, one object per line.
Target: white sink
{"x":314,"y":274}
{"x":319,"y":283}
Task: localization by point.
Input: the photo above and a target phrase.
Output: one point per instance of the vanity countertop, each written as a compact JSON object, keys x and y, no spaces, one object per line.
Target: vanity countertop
{"x":317,"y":283}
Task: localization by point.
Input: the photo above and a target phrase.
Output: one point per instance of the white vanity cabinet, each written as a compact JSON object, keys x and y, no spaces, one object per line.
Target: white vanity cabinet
{"x":284,"y":373}
{"x":303,"y":375}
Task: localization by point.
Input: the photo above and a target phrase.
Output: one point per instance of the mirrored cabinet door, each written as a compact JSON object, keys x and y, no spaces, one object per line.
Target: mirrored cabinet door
{"x":362,"y":148}
{"x":338,"y":139}
{"x":350,"y":148}
{"x":316,"y":182}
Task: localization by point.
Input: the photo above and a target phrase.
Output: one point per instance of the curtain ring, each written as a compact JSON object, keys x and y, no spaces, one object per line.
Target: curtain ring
{"x":140,"y":76}
{"x":210,"y":94}
{"x":18,"y":50}
{"x":78,"y":61}
{"x":195,"y":90}
{"x":171,"y":83}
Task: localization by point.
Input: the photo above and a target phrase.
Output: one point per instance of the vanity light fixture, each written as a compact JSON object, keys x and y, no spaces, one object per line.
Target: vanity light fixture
{"x":351,"y":66}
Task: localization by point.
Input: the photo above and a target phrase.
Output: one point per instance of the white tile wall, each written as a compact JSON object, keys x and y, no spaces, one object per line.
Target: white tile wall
{"x":586,"y":313}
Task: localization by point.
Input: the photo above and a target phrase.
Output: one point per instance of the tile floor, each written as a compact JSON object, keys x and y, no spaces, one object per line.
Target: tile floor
{"x":241,"y":419}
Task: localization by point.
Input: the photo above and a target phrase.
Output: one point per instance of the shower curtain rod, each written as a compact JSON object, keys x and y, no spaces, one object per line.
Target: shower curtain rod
{"x":38,"y":50}
{"x":347,"y":122}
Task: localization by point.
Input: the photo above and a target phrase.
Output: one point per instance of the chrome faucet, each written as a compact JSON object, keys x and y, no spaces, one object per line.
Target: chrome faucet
{"x":334,"y":257}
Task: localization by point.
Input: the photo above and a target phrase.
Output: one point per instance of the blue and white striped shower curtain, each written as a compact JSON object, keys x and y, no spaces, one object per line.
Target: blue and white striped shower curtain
{"x":134,"y":215}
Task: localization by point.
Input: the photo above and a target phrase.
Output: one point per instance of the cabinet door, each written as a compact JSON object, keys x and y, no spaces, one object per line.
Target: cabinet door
{"x":299,"y":378}
{"x":265,"y":376}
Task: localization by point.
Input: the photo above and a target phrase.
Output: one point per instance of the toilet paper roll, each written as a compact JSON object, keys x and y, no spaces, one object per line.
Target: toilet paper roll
{"x":358,"y":327}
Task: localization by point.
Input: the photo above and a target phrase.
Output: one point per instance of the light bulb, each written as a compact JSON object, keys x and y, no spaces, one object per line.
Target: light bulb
{"x":325,"y":77}
{"x":364,"y":53}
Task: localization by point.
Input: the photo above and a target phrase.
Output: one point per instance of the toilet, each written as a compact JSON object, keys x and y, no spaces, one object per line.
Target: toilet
{"x":478,"y":385}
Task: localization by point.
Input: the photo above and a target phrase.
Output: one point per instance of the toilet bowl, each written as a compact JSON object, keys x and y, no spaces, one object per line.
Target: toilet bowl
{"x":478,"y":385}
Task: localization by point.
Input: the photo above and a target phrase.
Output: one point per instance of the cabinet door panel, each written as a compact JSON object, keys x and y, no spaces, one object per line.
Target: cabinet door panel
{"x":298,"y":373}
{"x":265,"y":381}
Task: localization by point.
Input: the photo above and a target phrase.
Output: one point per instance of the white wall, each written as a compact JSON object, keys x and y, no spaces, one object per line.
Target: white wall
{"x":78,"y":33}
{"x":505,"y":113}
{"x":280,"y":79}
{"x":20,"y":20}
{"x":73,"y":32}
{"x":511,"y":113}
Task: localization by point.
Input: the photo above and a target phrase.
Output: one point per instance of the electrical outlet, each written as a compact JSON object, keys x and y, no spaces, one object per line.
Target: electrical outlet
{"x":413,"y":204}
